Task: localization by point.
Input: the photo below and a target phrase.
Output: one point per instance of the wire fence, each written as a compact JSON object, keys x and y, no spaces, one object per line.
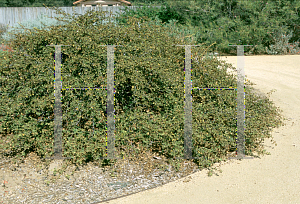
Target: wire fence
{"x":188,"y":146}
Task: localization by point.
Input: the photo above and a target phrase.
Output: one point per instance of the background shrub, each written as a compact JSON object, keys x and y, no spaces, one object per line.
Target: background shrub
{"x":226,"y":22}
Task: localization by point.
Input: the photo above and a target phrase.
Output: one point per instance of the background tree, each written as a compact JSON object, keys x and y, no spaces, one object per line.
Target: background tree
{"x":3,"y":3}
{"x":36,"y":3}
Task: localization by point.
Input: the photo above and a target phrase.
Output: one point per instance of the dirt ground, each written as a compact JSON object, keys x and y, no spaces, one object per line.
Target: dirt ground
{"x":272,"y":178}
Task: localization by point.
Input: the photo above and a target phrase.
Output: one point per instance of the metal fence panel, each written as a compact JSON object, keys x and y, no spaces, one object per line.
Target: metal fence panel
{"x":12,"y":15}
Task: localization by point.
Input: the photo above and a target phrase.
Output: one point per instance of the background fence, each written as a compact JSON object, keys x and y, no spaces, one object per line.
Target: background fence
{"x":11,"y":16}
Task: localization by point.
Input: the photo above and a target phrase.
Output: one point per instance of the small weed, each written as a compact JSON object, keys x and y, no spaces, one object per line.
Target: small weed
{"x":47,"y":182}
{"x":212,"y":171}
{"x":54,"y":172}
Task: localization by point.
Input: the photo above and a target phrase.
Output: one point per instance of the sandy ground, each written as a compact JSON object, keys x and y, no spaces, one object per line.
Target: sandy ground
{"x":272,"y":178}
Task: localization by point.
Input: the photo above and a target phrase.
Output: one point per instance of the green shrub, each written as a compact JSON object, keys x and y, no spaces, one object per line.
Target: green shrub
{"x":231,"y":22}
{"x":149,"y":99}
{"x":282,"y":45}
{"x":3,"y":29}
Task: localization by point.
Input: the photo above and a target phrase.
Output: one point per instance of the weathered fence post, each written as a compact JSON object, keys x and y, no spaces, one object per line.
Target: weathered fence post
{"x":240,"y":140}
{"x":57,"y":106}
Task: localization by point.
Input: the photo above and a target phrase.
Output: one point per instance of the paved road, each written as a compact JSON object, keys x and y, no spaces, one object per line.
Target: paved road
{"x":272,"y":179}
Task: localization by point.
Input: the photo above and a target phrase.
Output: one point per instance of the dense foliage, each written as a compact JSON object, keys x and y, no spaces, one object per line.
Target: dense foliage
{"x":149,"y":98}
{"x":258,"y":23}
